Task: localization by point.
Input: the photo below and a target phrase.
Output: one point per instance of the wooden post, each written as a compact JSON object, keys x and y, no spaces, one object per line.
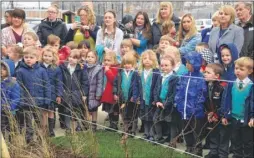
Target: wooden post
{"x":4,"y":149}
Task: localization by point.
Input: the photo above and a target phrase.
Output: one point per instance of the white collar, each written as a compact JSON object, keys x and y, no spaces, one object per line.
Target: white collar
{"x":46,"y":65}
{"x":245,"y":81}
{"x":177,"y":66}
{"x":147,"y":71}
{"x":167,"y":75}
{"x":71,"y":67}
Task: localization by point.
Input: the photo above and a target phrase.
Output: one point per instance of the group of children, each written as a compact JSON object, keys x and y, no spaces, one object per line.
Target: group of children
{"x":184,"y":99}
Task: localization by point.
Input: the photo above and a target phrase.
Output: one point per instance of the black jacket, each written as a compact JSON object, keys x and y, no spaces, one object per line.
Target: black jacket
{"x":248,"y":47}
{"x":156,"y":32}
{"x":214,"y":97}
{"x":46,"y":28}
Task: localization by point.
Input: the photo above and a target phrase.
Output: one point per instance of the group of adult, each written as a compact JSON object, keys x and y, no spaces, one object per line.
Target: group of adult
{"x":147,"y":35}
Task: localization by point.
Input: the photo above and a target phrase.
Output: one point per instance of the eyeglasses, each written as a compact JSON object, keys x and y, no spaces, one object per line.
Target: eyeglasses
{"x":51,"y":12}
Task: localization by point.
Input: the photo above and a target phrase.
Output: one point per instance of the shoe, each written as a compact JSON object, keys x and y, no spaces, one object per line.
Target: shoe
{"x":211,"y":156}
{"x":151,"y":138}
{"x":78,"y":129}
{"x":51,"y":122}
{"x":62,"y":125}
{"x":160,"y":140}
{"x":145,"y":136}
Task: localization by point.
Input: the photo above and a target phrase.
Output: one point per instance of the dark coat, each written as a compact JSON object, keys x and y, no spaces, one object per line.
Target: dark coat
{"x":226,"y":104}
{"x":56,"y":81}
{"x":213,"y":104}
{"x":75,"y":85}
{"x":35,"y":85}
{"x":134,"y":88}
{"x":248,"y":46}
{"x":156,"y":32}
{"x":147,"y":112}
{"x":165,"y":114}
{"x":46,"y":28}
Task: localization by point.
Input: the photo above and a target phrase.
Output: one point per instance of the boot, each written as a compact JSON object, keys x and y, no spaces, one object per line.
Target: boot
{"x":51,"y":122}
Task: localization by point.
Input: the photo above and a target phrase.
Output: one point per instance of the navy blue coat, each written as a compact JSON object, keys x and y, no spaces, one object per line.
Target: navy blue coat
{"x":134,"y":88}
{"x":226,"y":104}
{"x":75,"y":86}
{"x":205,"y":34}
{"x":56,"y":81}
{"x":165,"y":113}
{"x":147,"y":112}
{"x":35,"y":85}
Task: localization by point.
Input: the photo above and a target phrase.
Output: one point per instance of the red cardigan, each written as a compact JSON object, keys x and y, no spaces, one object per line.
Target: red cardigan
{"x":107,"y":95}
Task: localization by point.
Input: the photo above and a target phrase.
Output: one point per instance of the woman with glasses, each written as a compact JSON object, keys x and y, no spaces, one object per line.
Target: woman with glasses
{"x":84,"y":28}
{"x":52,"y":25}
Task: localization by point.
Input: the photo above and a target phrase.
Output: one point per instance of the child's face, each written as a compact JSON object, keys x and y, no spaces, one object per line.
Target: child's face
{"x":163,"y":44}
{"x":91,"y":58}
{"x":72,"y":60}
{"x":28,"y":41}
{"x":172,"y":55}
{"x":147,"y":62}
{"x":172,"y":30}
{"x":226,"y":56}
{"x":166,"y":66}
{"x":210,"y":75}
{"x":4,"y":72}
{"x":57,"y":45}
{"x":189,"y":66}
{"x":215,"y":22}
{"x":12,"y":54}
{"x":47,"y":57}
{"x":108,"y":60}
{"x":242,"y":72}
{"x":30,"y":59}
{"x":125,"y":49}
{"x":128,"y":66}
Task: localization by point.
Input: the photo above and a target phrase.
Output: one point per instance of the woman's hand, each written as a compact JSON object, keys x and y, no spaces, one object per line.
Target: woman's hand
{"x":74,"y":26}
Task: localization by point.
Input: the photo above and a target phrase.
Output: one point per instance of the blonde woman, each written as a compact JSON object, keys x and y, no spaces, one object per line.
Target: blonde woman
{"x":51,"y":25}
{"x":88,"y":29}
{"x":188,"y":36}
{"x":165,"y":13}
{"x":228,"y":32}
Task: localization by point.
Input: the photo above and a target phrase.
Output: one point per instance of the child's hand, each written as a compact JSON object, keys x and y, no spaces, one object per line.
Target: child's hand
{"x":214,"y":119}
{"x":251,"y":123}
{"x":209,"y":117}
{"x":58,"y":100}
{"x":116,"y":98}
{"x":122,"y":106}
{"x":98,"y":98}
{"x":84,"y":98}
{"x":224,"y":121}
{"x":159,"y":104}
{"x":106,"y":68}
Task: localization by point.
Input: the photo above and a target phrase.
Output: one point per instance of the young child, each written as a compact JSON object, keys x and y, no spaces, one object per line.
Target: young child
{"x":109,"y":104}
{"x":35,"y":90}
{"x":206,"y":54}
{"x":15,"y":53}
{"x":49,"y":61}
{"x":54,"y":41}
{"x":126,"y":93}
{"x":84,"y":48}
{"x":30,"y":39}
{"x":238,"y":109}
{"x":76,"y":86}
{"x":10,"y":96}
{"x":126,"y":46}
{"x":149,"y":73}
{"x":95,"y":76}
{"x":218,"y":137}
{"x":190,"y":97}
{"x":227,"y":55}
{"x":163,"y":44}
{"x":174,"y":53}
{"x":72,"y":45}
{"x":168,"y":29}
{"x":164,"y":94}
